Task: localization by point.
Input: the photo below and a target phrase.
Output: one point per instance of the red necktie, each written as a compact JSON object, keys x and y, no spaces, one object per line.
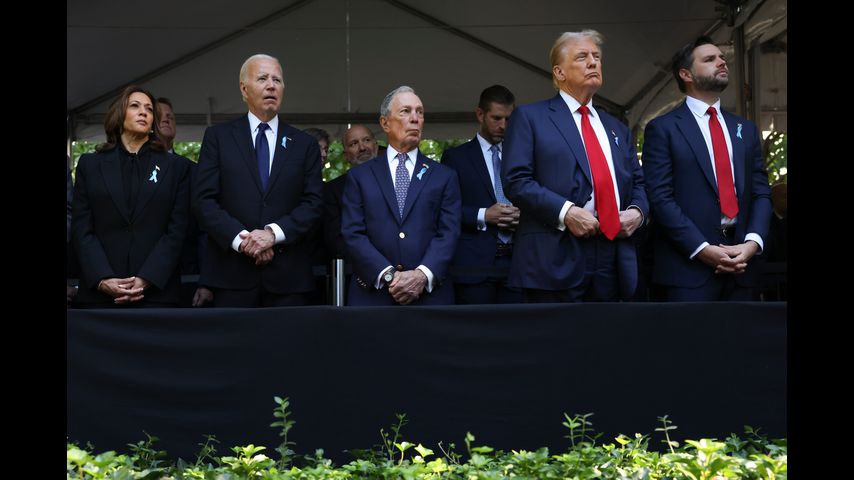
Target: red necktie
{"x":726,"y":188}
{"x":603,"y":186}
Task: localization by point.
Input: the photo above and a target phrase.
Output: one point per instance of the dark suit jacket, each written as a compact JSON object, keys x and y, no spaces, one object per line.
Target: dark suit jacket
{"x":475,"y":248}
{"x":333,"y":192}
{"x":545,"y":164}
{"x":109,"y":242}
{"x":684,"y":194}
{"x":227,"y":198}
{"x":376,"y":237}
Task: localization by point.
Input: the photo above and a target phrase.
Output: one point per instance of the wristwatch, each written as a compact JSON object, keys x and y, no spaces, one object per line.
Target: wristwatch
{"x":388,"y":276}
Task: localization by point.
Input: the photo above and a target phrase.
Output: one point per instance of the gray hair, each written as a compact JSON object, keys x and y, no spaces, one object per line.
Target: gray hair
{"x":257,"y":56}
{"x":385,"y":107}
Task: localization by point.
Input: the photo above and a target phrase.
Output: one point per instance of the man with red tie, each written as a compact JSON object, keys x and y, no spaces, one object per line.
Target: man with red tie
{"x":707,"y":186}
{"x":573,"y":170}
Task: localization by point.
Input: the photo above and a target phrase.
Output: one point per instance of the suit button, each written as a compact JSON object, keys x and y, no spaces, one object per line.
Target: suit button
{"x":399,"y":268}
{"x":401,"y":235}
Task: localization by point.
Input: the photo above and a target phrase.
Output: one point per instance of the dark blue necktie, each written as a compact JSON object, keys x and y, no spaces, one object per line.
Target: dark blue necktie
{"x":262,"y":155}
{"x":401,"y":182}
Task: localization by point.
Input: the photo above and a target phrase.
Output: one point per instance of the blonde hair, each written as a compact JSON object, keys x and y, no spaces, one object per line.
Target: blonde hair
{"x":556,"y":53}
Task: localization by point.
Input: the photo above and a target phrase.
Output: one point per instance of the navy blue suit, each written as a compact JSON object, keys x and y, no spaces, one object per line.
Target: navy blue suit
{"x":544,"y":165}
{"x":227,"y":198}
{"x":684,"y":194}
{"x":477,"y":248}
{"x":111,"y":241}
{"x":376,"y":237}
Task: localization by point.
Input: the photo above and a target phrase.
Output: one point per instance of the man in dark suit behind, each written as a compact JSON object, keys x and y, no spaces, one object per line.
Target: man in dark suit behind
{"x":707,"y":185}
{"x":359,"y":147}
{"x":401,"y":217}
{"x":572,"y":169}
{"x":489,"y":219}
{"x":257,"y":203}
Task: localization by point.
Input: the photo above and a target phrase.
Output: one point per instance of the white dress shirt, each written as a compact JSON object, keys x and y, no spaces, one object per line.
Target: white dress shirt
{"x":487,"y":157}
{"x":271,"y":142}
{"x":604,"y":142}
{"x":391,"y":156}
{"x":700,"y":110}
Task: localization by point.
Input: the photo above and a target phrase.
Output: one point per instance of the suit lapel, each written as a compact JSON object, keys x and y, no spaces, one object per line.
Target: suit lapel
{"x":111,"y":170}
{"x":382,"y":175}
{"x":687,"y":124}
{"x":246,"y":147}
{"x":149,"y":186}
{"x":417,"y":182}
{"x":280,"y":156}
{"x":735,"y":136}
{"x":617,"y":157}
{"x":562,"y":118}
{"x":478,"y":163}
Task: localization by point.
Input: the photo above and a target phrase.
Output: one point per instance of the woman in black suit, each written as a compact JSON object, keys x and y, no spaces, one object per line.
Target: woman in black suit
{"x":130,"y":210}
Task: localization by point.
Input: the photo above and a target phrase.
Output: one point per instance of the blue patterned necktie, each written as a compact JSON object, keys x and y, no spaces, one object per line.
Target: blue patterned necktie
{"x":499,"y":189}
{"x":401,"y":182}
{"x":262,"y":155}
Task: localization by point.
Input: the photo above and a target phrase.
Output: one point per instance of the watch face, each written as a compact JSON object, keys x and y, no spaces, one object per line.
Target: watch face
{"x":388,"y":277}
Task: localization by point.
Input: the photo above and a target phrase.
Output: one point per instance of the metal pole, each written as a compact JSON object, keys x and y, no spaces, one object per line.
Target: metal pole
{"x":338,"y":282}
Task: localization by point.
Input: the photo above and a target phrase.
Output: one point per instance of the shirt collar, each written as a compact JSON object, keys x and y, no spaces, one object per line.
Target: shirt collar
{"x":699,"y":107}
{"x":485,"y":145}
{"x":391,"y":154}
{"x":573,"y":104}
{"x":255,"y":121}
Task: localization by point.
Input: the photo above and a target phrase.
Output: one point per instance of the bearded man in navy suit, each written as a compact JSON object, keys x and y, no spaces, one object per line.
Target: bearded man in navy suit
{"x":572,"y":169}
{"x":488,"y":219}
{"x":708,"y":186}
{"x":401,"y":215}
{"x":256,"y":193}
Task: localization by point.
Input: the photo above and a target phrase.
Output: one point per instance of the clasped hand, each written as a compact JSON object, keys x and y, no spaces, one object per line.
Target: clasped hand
{"x":406,"y":287}
{"x":258,"y":244}
{"x":124,"y":290}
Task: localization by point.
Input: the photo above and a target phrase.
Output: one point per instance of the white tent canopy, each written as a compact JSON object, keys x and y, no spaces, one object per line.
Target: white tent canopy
{"x":340,"y":57}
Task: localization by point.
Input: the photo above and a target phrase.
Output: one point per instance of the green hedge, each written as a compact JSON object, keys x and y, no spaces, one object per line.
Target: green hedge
{"x":751,"y":457}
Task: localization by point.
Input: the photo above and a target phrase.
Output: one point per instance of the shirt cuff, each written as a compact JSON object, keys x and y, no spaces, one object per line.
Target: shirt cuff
{"x":643,"y":218}
{"x":702,"y":246}
{"x":429,"y":277}
{"x":481,"y":219}
{"x":756,"y":238}
{"x":235,"y":244}
{"x":566,"y":206}
{"x":280,"y":234}
{"x":379,"y":283}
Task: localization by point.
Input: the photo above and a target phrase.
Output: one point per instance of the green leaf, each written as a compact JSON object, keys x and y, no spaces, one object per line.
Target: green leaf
{"x":425,"y":452}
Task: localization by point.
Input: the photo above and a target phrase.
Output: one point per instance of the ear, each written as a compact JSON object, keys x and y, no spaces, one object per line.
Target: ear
{"x":558,"y":73}
{"x":685,"y":75}
{"x":384,"y":124}
{"x":480,"y":114}
{"x":243,"y":90}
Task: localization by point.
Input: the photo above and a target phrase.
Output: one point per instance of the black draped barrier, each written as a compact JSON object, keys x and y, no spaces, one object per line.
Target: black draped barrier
{"x":505,"y":373}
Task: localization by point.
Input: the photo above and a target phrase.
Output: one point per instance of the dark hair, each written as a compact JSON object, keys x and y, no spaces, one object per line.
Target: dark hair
{"x":495,"y":94}
{"x":318,"y":134}
{"x":115,"y":118}
{"x":684,"y":58}
{"x":166,"y":101}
